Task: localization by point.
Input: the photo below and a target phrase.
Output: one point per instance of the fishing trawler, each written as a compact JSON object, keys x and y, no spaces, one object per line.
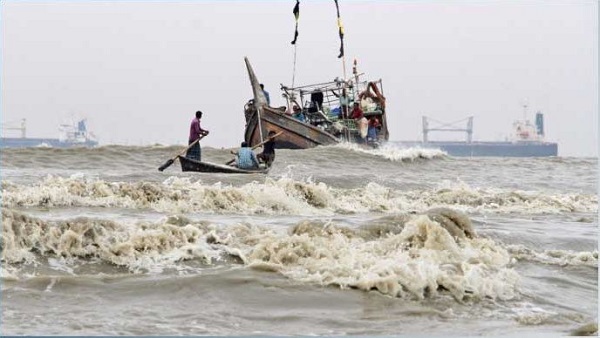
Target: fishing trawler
{"x":314,"y":116}
{"x":70,"y":135}
{"x":319,"y":114}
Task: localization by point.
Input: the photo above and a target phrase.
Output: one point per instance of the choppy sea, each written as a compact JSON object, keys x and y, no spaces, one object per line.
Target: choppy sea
{"x":333,"y":241}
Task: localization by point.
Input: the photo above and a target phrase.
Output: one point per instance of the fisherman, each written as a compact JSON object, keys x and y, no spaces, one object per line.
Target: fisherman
{"x":268,"y":154}
{"x":298,"y":115}
{"x":374,"y":127}
{"x":357,"y":113}
{"x":262,"y":87}
{"x":316,"y":100}
{"x":246,"y":158}
{"x":196,"y":131}
{"x":344,"y":102}
{"x":360,"y":120}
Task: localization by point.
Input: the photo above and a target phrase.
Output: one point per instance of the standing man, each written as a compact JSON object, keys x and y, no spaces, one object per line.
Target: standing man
{"x":196,"y":131}
{"x":345,"y":101}
{"x":262,"y":87}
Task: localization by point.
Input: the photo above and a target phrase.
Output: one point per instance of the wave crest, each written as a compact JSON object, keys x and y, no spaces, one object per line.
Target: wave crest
{"x":283,"y":196}
{"x":395,"y":153}
{"x":422,"y":259}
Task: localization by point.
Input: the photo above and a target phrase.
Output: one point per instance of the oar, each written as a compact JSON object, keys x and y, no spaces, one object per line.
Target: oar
{"x":169,"y":162}
{"x":260,"y":144}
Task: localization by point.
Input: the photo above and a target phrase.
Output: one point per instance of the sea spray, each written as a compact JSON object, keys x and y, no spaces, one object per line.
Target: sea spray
{"x":396,"y":153}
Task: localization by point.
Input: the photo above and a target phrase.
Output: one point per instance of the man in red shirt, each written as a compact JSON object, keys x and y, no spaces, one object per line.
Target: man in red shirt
{"x":195,"y":132}
{"x":357,"y":113}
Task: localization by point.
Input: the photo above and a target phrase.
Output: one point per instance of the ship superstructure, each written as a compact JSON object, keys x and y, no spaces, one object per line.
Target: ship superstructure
{"x":527,"y":140}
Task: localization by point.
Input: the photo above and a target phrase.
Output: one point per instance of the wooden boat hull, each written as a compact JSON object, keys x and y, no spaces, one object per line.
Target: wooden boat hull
{"x":188,"y":164}
{"x":296,"y":134}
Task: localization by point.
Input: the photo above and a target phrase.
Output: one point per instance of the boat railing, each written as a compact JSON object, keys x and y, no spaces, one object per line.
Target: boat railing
{"x":349,"y":124}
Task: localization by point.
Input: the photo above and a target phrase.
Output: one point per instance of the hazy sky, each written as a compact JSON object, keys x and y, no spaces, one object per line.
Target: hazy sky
{"x":138,"y":70}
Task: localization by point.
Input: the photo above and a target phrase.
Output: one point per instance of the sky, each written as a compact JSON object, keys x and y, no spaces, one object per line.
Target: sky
{"x":139,"y":70}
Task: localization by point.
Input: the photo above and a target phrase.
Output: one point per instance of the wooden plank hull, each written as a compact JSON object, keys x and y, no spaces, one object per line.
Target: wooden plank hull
{"x":296,"y":134}
{"x":188,"y":164}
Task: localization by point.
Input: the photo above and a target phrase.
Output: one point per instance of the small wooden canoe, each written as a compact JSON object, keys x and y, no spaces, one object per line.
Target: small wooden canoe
{"x":188,"y":164}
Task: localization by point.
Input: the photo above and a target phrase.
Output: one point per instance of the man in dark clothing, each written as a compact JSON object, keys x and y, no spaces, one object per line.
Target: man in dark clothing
{"x":316,"y":100}
{"x":195,"y":132}
{"x":262,"y":87}
{"x":268,"y":153}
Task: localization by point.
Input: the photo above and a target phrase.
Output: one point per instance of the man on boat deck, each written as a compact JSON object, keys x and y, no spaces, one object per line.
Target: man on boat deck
{"x":357,"y":113}
{"x":262,"y":87}
{"x":374,"y":127}
{"x":246,"y":158}
{"x":195,"y":132}
{"x":344,"y":102}
{"x":268,"y":153}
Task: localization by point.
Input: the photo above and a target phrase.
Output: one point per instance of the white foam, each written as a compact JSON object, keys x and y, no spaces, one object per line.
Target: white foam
{"x":421,"y":260}
{"x":394,"y":152}
{"x":533,"y":315}
{"x":555,"y":257}
{"x":286,"y":196}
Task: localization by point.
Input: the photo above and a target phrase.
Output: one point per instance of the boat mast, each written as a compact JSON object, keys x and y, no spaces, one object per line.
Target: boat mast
{"x":259,"y":97}
{"x":344,"y":67}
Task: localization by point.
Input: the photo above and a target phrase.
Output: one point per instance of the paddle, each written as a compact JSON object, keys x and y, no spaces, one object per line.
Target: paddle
{"x":260,"y":144}
{"x":169,"y":162}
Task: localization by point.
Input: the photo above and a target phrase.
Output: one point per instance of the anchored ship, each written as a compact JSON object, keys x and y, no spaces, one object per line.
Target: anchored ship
{"x":527,"y":140}
{"x":70,"y":135}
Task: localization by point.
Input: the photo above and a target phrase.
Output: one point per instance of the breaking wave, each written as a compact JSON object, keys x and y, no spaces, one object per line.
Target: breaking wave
{"x":394,"y":153}
{"x":412,"y":256}
{"x":283,"y":196}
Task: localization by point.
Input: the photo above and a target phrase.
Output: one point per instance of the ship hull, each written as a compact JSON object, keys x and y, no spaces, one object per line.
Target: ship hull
{"x":8,"y":142}
{"x":296,"y":134}
{"x":496,"y":149}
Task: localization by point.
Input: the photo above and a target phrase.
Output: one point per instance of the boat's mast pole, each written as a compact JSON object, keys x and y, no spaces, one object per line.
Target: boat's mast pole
{"x":260,"y":129}
{"x":344,"y":67}
{"x":355,"y":72}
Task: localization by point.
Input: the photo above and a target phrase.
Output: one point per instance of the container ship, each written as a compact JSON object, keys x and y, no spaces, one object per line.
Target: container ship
{"x":526,"y":141}
{"x":70,"y":135}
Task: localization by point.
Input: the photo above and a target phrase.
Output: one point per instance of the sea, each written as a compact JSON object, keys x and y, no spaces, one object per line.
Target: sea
{"x":333,"y":241}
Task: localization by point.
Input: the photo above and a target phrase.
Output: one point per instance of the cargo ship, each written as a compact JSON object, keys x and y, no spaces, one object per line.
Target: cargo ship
{"x":70,"y":135}
{"x":526,"y":141}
